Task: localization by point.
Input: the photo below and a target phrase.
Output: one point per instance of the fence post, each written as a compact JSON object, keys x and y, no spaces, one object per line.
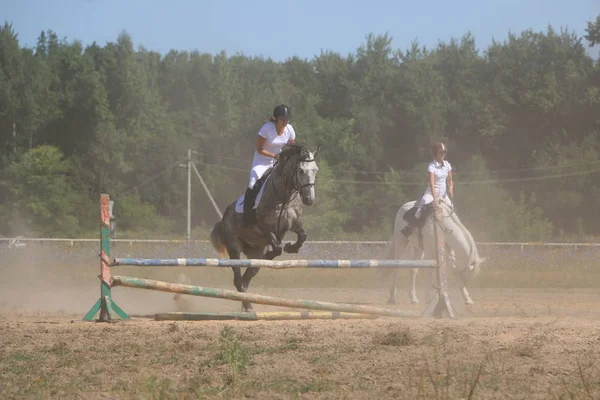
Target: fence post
{"x":105,"y":304}
{"x":440,"y":303}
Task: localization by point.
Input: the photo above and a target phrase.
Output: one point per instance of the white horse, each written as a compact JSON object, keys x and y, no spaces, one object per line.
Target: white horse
{"x":463,"y":258}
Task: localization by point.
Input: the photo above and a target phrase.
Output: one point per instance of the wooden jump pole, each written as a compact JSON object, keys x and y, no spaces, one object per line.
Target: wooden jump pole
{"x":258,"y":316}
{"x":256,"y":298}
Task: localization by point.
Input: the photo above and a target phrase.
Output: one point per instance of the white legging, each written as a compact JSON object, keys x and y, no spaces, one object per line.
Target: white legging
{"x":258,"y":170}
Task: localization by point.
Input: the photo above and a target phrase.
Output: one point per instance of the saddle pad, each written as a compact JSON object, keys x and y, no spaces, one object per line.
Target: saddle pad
{"x":239,"y":204}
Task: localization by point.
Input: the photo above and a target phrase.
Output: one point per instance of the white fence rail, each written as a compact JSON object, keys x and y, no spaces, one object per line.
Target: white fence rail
{"x":9,"y":241}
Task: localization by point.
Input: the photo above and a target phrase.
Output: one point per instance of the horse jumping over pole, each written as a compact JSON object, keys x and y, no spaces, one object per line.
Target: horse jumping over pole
{"x":289,"y":185}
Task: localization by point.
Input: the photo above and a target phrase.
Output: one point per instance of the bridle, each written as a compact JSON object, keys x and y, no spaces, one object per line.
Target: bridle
{"x":295,"y":188}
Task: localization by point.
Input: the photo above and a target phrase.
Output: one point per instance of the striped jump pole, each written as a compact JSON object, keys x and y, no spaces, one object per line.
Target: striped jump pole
{"x":160,"y":286}
{"x":272,"y":264}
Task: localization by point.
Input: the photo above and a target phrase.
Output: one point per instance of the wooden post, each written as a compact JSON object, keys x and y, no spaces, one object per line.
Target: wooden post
{"x":105,"y":304}
{"x":440,"y":303}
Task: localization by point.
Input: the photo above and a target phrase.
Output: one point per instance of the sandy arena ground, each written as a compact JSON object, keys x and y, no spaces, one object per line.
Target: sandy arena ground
{"x":530,"y":344}
{"x":514,"y":343}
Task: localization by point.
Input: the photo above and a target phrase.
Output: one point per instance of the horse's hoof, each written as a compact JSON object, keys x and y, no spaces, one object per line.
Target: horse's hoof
{"x":391,"y":302}
{"x":469,"y":302}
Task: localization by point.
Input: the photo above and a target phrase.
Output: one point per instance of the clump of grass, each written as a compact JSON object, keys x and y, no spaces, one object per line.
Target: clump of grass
{"x":156,"y":388}
{"x":449,"y":383}
{"x":530,"y":346}
{"x":172,"y":328}
{"x":398,"y":338}
{"x":315,"y":386}
{"x":233,"y":354}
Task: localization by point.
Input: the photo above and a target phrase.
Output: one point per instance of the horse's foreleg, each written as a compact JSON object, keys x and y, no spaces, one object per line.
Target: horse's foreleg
{"x":466,"y":296}
{"x":463,"y":289}
{"x":298,"y":229}
{"x":393,"y":289}
{"x":276,"y":247}
{"x":413,"y":286}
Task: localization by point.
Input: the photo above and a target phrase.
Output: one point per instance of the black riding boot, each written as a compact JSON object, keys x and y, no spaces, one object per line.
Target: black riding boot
{"x":407,"y":230}
{"x":249,"y":217}
{"x":412,"y":221}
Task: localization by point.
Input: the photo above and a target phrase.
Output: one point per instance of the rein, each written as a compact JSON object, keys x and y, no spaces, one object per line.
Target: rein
{"x":295,"y":188}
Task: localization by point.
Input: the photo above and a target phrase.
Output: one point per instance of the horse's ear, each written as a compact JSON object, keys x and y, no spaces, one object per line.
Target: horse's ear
{"x":316,"y":153}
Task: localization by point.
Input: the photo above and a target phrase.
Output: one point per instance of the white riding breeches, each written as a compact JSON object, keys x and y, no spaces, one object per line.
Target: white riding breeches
{"x":258,"y":170}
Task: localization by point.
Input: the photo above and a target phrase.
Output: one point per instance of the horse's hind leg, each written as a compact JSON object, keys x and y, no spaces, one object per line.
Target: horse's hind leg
{"x":238,"y":280}
{"x":249,"y":274}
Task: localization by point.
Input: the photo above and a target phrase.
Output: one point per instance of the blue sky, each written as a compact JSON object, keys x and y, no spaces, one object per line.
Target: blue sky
{"x":282,"y":29}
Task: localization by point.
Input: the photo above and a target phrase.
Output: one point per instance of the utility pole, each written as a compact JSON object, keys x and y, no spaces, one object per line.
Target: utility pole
{"x":189,"y":194}
{"x":212,"y":200}
{"x":190,"y":165}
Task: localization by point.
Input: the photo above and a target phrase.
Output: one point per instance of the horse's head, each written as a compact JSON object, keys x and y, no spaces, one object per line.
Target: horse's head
{"x":306,"y":176}
{"x":471,"y":262}
{"x":300,"y":166}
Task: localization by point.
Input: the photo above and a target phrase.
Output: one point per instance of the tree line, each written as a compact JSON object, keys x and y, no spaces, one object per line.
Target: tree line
{"x":521,"y":120}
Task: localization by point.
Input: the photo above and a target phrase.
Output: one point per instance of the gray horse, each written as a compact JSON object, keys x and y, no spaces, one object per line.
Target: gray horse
{"x":290,"y":183}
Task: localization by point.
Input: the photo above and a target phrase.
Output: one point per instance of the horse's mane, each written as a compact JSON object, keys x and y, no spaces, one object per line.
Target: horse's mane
{"x":290,"y":150}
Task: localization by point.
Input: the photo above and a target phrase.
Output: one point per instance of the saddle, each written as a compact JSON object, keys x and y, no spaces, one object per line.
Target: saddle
{"x":419,"y":223}
{"x":414,"y":222}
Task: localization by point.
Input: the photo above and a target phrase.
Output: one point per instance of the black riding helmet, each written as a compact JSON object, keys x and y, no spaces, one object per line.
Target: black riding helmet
{"x":282,"y":111}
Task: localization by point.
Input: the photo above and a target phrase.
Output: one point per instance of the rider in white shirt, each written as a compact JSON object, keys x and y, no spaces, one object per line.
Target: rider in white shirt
{"x":272,"y":136}
{"x":439,"y":173}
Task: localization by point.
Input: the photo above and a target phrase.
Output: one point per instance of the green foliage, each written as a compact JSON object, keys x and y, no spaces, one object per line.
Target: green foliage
{"x":78,"y":121}
{"x":593,"y":32}
{"x":41,"y":196}
{"x":233,"y":354}
{"x":491,"y":212}
{"x":135,"y":215}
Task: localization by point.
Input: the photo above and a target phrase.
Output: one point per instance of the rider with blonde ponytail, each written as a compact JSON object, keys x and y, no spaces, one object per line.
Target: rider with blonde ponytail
{"x":440,"y":184}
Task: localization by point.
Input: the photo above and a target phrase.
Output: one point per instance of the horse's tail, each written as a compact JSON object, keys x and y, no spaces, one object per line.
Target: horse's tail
{"x":216,"y":238}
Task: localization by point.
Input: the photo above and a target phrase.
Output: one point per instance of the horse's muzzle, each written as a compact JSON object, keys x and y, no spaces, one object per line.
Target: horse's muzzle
{"x":308,"y":201}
